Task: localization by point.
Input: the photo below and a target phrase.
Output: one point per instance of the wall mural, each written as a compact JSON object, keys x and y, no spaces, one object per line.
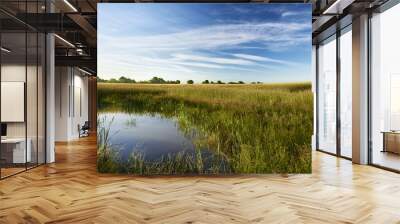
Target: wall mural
{"x":204,"y":89}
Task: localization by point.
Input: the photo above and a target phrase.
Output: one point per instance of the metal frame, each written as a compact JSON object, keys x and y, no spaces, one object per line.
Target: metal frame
{"x":369,"y":90}
{"x":317,"y":97}
{"x":338,"y":82}
{"x":26,"y":89}
{"x":0,"y":92}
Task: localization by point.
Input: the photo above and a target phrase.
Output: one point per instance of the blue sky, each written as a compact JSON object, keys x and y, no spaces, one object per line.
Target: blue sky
{"x":228,"y":42}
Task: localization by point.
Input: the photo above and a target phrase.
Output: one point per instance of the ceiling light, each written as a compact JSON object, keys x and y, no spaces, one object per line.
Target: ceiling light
{"x":79,"y":51}
{"x":86,"y":72}
{"x":70,"y":5}
{"x":5,"y":50}
{"x":64,"y":40}
{"x":337,"y":7}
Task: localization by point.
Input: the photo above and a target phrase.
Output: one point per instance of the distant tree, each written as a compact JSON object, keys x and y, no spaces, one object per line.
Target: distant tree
{"x":178,"y":82}
{"x":101,"y":80}
{"x":113,"y":80}
{"x":239,"y":82}
{"x":220,"y":82}
{"x":190,"y":81}
{"x":157,"y":80}
{"x":206,"y":82}
{"x":212,"y":82}
{"x":124,"y":79}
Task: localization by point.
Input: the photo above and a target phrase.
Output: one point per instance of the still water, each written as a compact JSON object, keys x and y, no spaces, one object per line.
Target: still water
{"x":152,"y":135}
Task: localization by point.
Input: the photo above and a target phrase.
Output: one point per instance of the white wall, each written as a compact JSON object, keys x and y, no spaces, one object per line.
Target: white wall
{"x":62,"y":81}
{"x":71,"y":87}
{"x":80,"y":109}
{"x":16,"y":73}
{"x":33,"y":126}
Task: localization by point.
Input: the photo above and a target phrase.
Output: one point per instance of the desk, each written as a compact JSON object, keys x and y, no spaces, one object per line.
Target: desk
{"x":15,"y":148}
{"x":391,"y":141}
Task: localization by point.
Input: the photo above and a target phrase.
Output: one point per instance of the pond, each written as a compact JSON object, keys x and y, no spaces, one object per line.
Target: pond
{"x":152,"y":135}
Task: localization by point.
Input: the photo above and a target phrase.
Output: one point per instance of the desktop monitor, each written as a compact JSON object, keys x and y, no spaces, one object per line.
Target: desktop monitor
{"x":3,"y":129}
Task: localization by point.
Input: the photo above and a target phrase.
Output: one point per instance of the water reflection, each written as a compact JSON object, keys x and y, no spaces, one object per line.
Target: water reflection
{"x":152,"y":135}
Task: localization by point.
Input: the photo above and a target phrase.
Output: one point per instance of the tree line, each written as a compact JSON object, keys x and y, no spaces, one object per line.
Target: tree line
{"x":154,"y":80}
{"x":158,"y":80}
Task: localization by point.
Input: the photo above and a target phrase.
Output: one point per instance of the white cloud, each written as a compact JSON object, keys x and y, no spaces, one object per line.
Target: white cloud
{"x":295,"y":13}
{"x":210,"y":59}
{"x":189,"y":53}
{"x":262,"y":59}
{"x":214,"y":37}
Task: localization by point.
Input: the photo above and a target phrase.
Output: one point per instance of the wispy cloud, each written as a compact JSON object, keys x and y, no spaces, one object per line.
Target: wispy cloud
{"x":262,"y":59}
{"x":216,"y":37}
{"x":210,"y":59}
{"x":294,"y":13}
{"x":232,"y":43}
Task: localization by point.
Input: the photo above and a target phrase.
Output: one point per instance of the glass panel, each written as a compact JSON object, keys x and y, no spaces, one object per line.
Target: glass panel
{"x":41,"y":99}
{"x":386,"y":89}
{"x":346,"y":94}
{"x":31,"y":98}
{"x":32,"y":89}
{"x":23,"y":90}
{"x":327,"y":96}
{"x":13,"y":87}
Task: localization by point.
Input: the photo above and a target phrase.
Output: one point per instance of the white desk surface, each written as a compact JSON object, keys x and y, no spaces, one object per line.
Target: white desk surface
{"x":12,"y":140}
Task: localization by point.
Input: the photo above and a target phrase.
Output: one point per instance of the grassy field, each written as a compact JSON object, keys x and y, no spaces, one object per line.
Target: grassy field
{"x":258,"y":128}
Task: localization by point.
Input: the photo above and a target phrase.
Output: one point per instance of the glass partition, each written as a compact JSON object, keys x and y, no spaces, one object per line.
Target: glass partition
{"x":31,"y":98}
{"x":327,"y":95}
{"x":346,"y":93}
{"x":385,"y":89}
{"x":13,"y":114}
{"x":41,"y":96}
{"x":22,"y":94}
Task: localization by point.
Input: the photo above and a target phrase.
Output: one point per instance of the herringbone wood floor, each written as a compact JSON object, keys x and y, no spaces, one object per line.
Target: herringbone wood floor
{"x":70,"y":191}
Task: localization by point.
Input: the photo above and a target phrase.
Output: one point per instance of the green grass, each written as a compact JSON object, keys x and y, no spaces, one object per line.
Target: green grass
{"x":263,"y":128}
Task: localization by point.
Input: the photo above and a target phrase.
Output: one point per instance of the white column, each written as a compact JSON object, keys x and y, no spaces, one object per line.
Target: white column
{"x":360,"y":89}
{"x":50,"y":100}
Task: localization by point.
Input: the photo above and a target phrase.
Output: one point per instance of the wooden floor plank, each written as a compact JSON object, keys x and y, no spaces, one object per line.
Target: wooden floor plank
{"x":71,"y":191}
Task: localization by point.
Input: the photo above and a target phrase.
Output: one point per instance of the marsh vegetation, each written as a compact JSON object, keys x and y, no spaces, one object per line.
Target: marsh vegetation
{"x":248,"y":128}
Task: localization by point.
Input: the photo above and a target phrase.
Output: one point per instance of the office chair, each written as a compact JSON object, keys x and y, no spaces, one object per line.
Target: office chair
{"x":84,"y":130}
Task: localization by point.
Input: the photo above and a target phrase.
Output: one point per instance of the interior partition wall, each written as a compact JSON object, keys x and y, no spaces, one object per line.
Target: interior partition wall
{"x":334,"y":94}
{"x":385,"y":89}
{"x":22,"y":95}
